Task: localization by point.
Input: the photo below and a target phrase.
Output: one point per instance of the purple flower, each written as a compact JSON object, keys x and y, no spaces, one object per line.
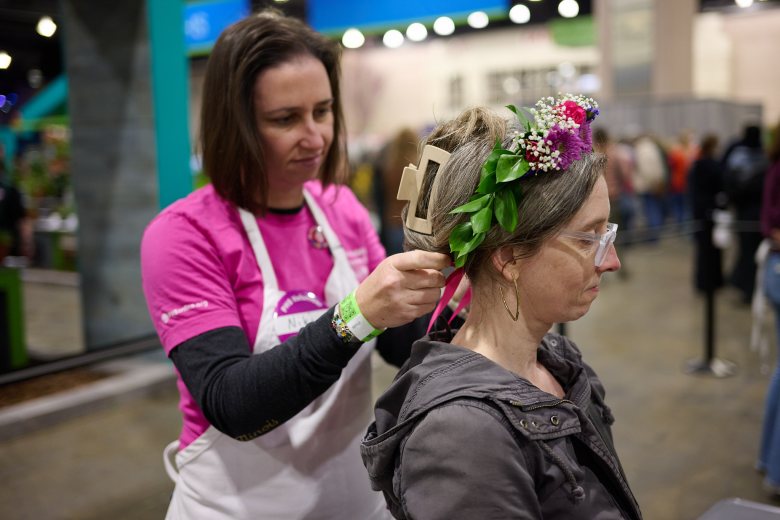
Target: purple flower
{"x":569,"y":144}
{"x":585,"y":135}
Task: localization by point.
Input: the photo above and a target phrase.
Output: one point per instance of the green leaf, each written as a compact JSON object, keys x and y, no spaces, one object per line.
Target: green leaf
{"x":482,"y":219}
{"x":505,"y":164}
{"x":490,"y":163}
{"x":523,"y":115}
{"x":474,"y":205}
{"x":506,"y":209}
{"x":517,"y":170}
{"x":460,"y":236}
{"x":487,"y":184}
{"x":472,"y":244}
{"x":460,"y":261}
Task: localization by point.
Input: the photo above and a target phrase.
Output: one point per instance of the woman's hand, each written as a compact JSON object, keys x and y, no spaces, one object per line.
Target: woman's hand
{"x":401,"y":288}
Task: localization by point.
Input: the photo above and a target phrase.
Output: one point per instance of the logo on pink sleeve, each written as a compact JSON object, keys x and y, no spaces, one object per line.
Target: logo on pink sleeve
{"x":165,"y":317}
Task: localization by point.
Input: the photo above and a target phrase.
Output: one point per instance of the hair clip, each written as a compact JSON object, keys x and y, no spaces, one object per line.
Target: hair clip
{"x":411,"y":185}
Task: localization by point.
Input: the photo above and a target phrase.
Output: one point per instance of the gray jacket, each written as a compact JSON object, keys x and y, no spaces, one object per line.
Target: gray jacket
{"x":457,"y":436}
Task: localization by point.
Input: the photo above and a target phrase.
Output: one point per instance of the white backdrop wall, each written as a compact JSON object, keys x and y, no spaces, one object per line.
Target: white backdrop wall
{"x":735,"y":58}
{"x":385,"y":89}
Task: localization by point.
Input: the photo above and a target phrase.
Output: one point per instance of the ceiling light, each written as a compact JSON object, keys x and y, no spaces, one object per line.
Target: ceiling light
{"x":568,"y":8}
{"x":444,"y":26}
{"x":478,"y":20}
{"x":416,"y":32}
{"x":5,"y":60}
{"x":46,"y":26}
{"x":744,"y":3}
{"x":520,"y":14}
{"x":393,"y":39}
{"x":353,"y":39}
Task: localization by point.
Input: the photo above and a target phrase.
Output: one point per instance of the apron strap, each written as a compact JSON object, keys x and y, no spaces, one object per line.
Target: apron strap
{"x":334,"y":244}
{"x":258,"y":246}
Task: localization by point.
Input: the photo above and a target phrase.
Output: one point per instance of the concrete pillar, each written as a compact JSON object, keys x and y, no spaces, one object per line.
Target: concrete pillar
{"x":646,"y":47}
{"x":673,"y":48}
{"x":113,"y":161}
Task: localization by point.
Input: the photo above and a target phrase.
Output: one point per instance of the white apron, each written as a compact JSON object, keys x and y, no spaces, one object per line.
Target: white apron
{"x":310,"y":466}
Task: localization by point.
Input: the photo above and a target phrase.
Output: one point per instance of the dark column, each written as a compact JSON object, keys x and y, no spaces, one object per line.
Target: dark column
{"x":113,"y":161}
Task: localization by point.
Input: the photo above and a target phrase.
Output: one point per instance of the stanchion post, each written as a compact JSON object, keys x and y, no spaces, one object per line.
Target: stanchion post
{"x":709,"y":365}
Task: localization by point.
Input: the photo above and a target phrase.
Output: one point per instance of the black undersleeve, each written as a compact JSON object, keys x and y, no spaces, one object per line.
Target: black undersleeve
{"x":245,"y":396}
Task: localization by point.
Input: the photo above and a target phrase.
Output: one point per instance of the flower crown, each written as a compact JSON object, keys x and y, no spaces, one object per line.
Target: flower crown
{"x":557,"y":133}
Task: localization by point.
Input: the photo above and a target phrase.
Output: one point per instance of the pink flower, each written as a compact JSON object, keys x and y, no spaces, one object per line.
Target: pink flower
{"x":574,"y":111}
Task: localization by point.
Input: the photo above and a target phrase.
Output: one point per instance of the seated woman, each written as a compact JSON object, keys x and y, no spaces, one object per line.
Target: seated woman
{"x":502,"y":419}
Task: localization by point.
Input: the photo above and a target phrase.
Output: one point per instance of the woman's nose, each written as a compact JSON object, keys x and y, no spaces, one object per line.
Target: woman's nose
{"x":313,"y":137}
{"x":611,"y":261}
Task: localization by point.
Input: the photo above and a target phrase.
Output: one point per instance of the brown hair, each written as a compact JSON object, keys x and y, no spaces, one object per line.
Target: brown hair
{"x":549,"y":201}
{"x":229,"y":139}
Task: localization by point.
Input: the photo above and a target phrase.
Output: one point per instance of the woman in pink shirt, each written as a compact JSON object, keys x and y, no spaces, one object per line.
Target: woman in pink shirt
{"x":269,"y":286}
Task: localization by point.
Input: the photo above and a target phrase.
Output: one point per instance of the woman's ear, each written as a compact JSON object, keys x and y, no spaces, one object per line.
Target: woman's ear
{"x":504,"y":261}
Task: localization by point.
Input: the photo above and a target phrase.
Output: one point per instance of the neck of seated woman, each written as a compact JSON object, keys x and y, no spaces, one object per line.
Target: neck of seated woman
{"x":510,"y":344}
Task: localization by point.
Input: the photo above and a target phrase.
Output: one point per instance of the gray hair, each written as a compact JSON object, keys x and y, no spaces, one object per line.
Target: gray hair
{"x":548,"y":202}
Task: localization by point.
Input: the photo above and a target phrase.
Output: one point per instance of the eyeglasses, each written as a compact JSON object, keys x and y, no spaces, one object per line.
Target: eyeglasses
{"x":603,"y":241}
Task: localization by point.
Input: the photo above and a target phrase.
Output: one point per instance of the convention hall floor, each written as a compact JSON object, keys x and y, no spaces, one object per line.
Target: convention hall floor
{"x":686,"y":441}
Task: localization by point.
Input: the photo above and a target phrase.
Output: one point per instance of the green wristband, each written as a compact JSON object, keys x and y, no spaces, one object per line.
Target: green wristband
{"x":354,"y":319}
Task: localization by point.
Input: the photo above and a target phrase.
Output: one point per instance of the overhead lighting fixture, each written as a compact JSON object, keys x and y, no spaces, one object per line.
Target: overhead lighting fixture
{"x":46,"y":27}
{"x":353,"y":38}
{"x":520,"y":14}
{"x":393,"y":39}
{"x":416,"y":32}
{"x":478,"y":20}
{"x":568,"y":8}
{"x":744,"y":3}
{"x":5,"y":60}
{"x":444,"y":26}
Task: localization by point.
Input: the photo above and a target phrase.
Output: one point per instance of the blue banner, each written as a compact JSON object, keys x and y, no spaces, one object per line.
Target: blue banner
{"x":204,"y":21}
{"x":328,"y":16}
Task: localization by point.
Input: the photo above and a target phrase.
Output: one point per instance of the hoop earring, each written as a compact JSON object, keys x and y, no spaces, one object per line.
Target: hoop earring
{"x":516,"y":315}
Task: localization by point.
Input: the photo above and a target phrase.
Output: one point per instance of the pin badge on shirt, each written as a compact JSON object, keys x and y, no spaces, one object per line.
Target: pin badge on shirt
{"x":317,"y":237}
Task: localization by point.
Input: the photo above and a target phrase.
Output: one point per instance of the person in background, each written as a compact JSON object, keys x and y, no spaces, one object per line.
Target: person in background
{"x":769,"y":454}
{"x":705,"y":187}
{"x":12,"y":216}
{"x":681,"y":156}
{"x":399,"y":153}
{"x":619,"y":175}
{"x":612,"y":172}
{"x":501,"y":419}
{"x":268,"y":286}
{"x":650,"y":183}
{"x":744,"y":168}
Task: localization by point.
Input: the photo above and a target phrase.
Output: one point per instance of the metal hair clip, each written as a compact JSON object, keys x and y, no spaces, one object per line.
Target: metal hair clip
{"x":411,"y":185}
